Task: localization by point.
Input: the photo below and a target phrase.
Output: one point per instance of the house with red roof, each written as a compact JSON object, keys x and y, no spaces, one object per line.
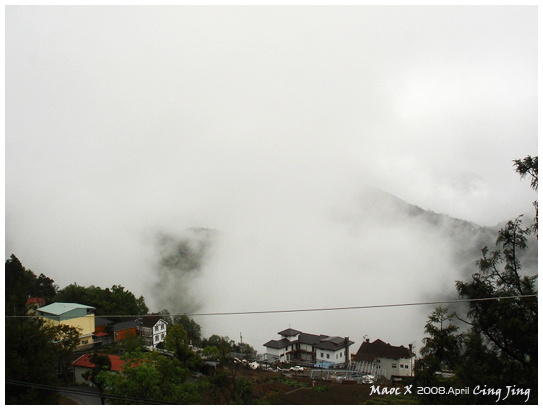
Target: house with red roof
{"x":83,"y":364}
{"x":390,"y":360}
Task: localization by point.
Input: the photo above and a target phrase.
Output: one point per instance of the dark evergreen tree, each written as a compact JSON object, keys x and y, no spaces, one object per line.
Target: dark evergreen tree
{"x":37,"y":354}
{"x":20,"y":284}
{"x":45,"y":288}
{"x":441,"y":348}
{"x":501,"y":346}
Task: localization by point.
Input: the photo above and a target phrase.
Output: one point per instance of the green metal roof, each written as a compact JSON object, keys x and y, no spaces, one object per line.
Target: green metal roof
{"x":58,"y":308}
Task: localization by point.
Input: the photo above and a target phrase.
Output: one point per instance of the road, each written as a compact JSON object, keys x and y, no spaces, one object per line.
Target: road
{"x":82,"y":395}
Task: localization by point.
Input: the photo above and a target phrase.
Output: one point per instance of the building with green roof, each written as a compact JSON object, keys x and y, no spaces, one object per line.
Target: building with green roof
{"x":72,"y":314}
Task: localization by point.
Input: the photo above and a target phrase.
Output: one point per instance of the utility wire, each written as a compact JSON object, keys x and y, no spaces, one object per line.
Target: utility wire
{"x":261,"y":312}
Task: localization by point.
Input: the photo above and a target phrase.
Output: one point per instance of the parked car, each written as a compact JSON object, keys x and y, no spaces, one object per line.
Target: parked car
{"x":297,"y":369}
{"x":368,"y":379}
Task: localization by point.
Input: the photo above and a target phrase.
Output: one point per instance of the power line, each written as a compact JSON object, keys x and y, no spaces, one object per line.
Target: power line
{"x":261,"y":312}
{"x":356,"y":307}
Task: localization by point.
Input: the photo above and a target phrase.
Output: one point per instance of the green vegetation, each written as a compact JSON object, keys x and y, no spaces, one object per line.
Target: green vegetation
{"x":22,"y":283}
{"x":34,"y":353}
{"x":108,"y":302}
{"x":147,"y":376}
{"x":500,"y":347}
{"x":294,"y":383}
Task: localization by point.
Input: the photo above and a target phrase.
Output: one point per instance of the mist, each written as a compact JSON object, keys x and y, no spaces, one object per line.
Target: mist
{"x":245,"y":138}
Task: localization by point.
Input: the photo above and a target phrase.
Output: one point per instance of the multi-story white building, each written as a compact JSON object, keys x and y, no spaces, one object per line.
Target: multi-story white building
{"x":153,"y":329}
{"x":298,"y":346}
{"x":389,"y":360}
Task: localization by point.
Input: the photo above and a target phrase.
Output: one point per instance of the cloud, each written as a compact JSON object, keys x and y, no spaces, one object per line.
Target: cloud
{"x":263,"y":124}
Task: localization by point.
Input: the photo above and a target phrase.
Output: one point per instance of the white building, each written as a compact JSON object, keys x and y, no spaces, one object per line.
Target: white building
{"x":390,"y":360}
{"x":153,"y":329}
{"x":298,"y":346}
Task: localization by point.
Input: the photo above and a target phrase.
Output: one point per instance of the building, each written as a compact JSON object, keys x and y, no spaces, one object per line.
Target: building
{"x":72,"y":314}
{"x":391,"y":360}
{"x":102,"y":328}
{"x":101,"y":324}
{"x":153,"y":329}
{"x":305,"y":347}
{"x":125,"y":330}
{"x":83,"y":364}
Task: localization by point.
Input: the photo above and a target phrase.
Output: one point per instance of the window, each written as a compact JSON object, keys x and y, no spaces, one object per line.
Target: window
{"x":340,"y":354}
{"x":394,"y":365}
{"x":156,"y":338}
{"x":406,"y":366}
{"x":327,"y":355}
{"x":322,"y":354}
{"x":162,"y":336}
{"x":401,"y":366}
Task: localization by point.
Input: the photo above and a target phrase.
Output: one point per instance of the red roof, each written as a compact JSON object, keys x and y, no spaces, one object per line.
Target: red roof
{"x":84,"y":361}
{"x":39,"y":301}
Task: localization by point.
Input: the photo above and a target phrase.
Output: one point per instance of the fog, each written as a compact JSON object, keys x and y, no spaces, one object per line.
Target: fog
{"x":250,"y":135}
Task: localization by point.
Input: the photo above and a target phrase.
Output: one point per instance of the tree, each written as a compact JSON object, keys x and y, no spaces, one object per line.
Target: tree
{"x":441,"y":348}
{"x":211,"y":353}
{"x":64,"y":340}
{"x":176,"y":342}
{"x":108,"y":302}
{"x":131,"y":343}
{"x":20,"y":283}
{"x":36,"y":353}
{"x":45,"y":288}
{"x":101,"y":362}
{"x":505,"y":324}
{"x":148,"y":376}
{"x":223,"y":343}
{"x":528,"y":167}
{"x":508,"y":326}
{"x":193,"y":329}
{"x":246,"y":349}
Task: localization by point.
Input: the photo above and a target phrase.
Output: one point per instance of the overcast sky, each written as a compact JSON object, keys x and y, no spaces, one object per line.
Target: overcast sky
{"x":262,"y":122}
